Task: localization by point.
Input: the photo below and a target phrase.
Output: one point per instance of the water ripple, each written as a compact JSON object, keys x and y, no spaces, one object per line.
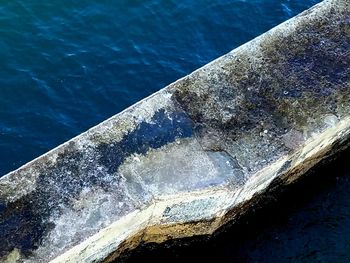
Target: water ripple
{"x":67,"y":65}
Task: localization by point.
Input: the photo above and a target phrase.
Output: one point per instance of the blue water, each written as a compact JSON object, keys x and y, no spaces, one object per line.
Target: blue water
{"x":66,"y":65}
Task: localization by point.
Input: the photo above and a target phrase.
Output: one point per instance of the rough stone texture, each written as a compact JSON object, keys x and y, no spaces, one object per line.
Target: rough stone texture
{"x":194,"y":155}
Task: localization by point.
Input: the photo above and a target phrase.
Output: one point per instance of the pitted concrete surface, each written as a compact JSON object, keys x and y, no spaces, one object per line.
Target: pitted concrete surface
{"x":183,"y":161}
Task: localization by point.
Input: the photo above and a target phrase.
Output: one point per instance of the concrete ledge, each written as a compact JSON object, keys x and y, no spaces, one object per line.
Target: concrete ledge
{"x":193,"y":156}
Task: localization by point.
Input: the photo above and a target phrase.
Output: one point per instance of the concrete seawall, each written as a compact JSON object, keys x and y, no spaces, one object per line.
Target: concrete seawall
{"x":193,"y":156}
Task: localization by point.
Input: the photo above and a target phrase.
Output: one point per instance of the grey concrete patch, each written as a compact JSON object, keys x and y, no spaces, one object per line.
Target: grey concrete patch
{"x":181,"y":162}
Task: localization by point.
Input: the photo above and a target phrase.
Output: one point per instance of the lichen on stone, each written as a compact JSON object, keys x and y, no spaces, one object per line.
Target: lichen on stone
{"x":192,"y":156}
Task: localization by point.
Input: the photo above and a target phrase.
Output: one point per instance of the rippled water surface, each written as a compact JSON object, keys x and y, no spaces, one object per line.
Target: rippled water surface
{"x":67,"y":65}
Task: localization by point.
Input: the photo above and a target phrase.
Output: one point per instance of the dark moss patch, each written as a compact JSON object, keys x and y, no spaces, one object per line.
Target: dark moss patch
{"x":163,"y":128}
{"x":25,"y":222}
{"x":21,"y":226}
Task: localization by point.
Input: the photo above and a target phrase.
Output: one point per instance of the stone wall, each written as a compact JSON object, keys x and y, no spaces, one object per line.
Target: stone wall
{"x":194,"y":155}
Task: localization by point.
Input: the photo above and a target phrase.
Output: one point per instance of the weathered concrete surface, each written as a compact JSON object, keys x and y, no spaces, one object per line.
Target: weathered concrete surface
{"x":194,"y":155}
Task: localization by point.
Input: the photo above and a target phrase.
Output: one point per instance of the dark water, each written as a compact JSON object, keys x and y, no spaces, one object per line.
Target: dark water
{"x":67,"y":65}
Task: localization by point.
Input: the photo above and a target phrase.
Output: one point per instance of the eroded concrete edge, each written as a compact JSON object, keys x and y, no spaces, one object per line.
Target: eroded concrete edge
{"x":166,"y":216}
{"x":288,"y":168}
{"x":148,"y":225}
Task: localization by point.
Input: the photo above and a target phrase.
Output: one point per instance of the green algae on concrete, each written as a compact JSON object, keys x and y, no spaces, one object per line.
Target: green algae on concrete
{"x":193,"y":156}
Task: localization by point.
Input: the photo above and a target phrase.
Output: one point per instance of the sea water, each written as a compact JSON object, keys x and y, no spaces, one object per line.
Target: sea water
{"x":66,"y":65}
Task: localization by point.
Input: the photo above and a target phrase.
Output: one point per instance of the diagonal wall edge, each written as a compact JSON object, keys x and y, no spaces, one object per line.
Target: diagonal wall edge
{"x":194,"y":155}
